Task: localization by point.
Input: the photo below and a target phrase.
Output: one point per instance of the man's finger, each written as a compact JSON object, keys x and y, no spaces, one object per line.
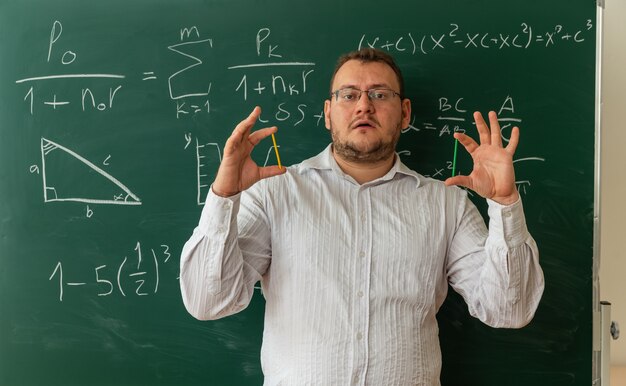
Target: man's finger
{"x":483,"y":130}
{"x":244,"y":126}
{"x":464,"y":181}
{"x":494,"y":126}
{"x":260,"y":134}
{"x":271,"y":171}
{"x":468,"y":142}
{"x":513,"y":141}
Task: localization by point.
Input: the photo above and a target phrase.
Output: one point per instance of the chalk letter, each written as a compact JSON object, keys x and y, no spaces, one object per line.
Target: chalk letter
{"x":259,"y":39}
{"x":508,"y":100}
{"x":53,"y":36}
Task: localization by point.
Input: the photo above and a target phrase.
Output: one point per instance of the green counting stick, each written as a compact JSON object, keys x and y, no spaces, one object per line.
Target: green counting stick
{"x":456,"y":145}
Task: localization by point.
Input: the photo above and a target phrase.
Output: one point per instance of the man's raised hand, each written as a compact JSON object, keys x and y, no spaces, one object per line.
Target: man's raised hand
{"x":238,"y":171}
{"x":493,"y":175}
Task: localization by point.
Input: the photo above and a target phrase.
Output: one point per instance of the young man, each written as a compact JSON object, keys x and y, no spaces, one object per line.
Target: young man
{"x":353,"y":249}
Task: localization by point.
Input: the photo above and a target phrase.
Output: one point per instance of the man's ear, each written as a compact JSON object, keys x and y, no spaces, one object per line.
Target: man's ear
{"x":406,"y":112}
{"x":327,"y":113}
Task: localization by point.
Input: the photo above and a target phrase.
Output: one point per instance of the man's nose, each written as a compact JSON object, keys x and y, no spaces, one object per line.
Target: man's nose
{"x":364,"y":103}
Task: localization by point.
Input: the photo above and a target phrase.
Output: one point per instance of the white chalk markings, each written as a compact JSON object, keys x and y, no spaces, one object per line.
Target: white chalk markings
{"x":203,"y":182}
{"x":70,"y":76}
{"x":122,"y":277}
{"x":196,"y":62}
{"x":123,"y":196}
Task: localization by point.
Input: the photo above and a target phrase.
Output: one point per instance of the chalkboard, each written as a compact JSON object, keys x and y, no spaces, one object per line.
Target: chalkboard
{"x":113,"y":116}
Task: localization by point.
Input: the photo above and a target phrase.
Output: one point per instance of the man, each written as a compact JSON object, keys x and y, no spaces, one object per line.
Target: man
{"x":353,"y":249}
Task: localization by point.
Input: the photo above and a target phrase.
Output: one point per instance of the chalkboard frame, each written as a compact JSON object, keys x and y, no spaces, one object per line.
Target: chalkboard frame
{"x":19,"y":334}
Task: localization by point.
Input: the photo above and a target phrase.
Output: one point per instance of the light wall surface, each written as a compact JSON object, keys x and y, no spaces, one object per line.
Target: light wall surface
{"x":613,"y":177}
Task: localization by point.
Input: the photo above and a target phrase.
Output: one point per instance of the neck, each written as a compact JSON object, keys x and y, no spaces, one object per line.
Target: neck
{"x":364,"y":172}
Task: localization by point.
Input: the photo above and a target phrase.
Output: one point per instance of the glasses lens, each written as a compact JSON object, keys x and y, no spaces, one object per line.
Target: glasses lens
{"x":348,"y":94}
{"x":380,"y":94}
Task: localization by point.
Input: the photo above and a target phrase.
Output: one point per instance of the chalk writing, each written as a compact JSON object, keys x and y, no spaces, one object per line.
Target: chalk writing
{"x":88,"y":100}
{"x":285,"y":111}
{"x":270,"y":73}
{"x":269,"y":151}
{"x":453,"y":116}
{"x":204,"y":177}
{"x":180,"y":49}
{"x":189,"y":86}
{"x":282,"y":83}
{"x":52,"y":191}
{"x":525,"y":37}
{"x":123,"y":278}
{"x":55,"y":33}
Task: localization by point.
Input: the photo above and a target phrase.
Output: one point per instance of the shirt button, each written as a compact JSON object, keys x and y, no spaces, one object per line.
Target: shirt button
{"x":360,"y":294}
{"x":359,"y":336}
{"x":361,"y":254}
{"x":220,"y":229}
{"x":507,"y":214}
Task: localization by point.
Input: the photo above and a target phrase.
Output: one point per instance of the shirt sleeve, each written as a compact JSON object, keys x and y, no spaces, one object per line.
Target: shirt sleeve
{"x":496,"y":271}
{"x":225,"y":257}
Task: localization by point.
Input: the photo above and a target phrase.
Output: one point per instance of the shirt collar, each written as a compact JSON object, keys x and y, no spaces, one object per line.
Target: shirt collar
{"x":326,"y":161}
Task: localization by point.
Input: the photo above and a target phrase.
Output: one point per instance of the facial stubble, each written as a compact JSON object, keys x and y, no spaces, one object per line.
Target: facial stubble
{"x":375,"y":153}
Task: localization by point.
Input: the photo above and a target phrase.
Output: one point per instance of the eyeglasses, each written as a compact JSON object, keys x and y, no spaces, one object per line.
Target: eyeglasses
{"x":349,"y":95}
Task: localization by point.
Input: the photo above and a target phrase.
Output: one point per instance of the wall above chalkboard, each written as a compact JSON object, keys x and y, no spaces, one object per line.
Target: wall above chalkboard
{"x":113,"y":118}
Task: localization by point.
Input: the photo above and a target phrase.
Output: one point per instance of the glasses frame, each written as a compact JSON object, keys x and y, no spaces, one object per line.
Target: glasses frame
{"x":369,"y":93}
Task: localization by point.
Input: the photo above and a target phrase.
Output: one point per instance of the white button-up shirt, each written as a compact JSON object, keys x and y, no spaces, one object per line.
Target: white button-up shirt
{"x":353,"y":275}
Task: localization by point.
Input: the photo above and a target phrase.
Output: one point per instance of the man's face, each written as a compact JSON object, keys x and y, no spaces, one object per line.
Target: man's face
{"x":366,"y":131}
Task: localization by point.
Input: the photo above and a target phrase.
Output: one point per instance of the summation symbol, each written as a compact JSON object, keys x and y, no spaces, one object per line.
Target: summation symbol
{"x":191,"y":95}
{"x":182,"y":49}
{"x":57,"y":161}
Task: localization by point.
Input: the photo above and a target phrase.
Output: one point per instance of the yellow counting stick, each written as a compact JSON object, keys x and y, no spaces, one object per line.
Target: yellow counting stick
{"x":280,"y":166}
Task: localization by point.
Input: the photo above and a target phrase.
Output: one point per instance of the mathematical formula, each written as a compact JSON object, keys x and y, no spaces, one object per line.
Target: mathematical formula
{"x":283,"y":80}
{"x":525,"y":38}
{"x":135,"y":276}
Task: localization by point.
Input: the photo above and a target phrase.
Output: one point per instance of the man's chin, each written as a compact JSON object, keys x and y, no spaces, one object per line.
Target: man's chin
{"x":363,"y":153}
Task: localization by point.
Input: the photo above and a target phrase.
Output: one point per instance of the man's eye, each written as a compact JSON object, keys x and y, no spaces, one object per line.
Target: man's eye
{"x":348,"y":96}
{"x":378,"y":95}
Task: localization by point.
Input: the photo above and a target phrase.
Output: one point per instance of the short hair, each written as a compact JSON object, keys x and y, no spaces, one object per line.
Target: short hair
{"x":370,"y":55}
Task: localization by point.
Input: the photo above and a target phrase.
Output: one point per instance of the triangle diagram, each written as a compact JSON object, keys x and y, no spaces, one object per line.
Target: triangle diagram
{"x":69,"y":177}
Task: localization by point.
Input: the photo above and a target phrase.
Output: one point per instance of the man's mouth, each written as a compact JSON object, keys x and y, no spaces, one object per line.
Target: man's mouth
{"x":363,"y":124}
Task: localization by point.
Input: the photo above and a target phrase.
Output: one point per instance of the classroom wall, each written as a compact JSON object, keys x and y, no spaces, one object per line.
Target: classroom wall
{"x":613,"y":179}
{"x":618,"y":376}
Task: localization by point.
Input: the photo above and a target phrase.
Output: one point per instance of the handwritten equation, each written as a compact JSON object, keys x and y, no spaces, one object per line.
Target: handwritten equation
{"x":525,"y":38}
{"x":189,"y":87}
{"x":453,"y":116}
{"x":139,"y":276}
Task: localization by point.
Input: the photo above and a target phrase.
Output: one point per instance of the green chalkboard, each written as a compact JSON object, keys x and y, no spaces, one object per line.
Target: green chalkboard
{"x":112,"y":120}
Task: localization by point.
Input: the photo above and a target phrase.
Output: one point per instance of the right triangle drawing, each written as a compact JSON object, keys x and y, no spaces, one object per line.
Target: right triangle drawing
{"x":69,"y":177}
